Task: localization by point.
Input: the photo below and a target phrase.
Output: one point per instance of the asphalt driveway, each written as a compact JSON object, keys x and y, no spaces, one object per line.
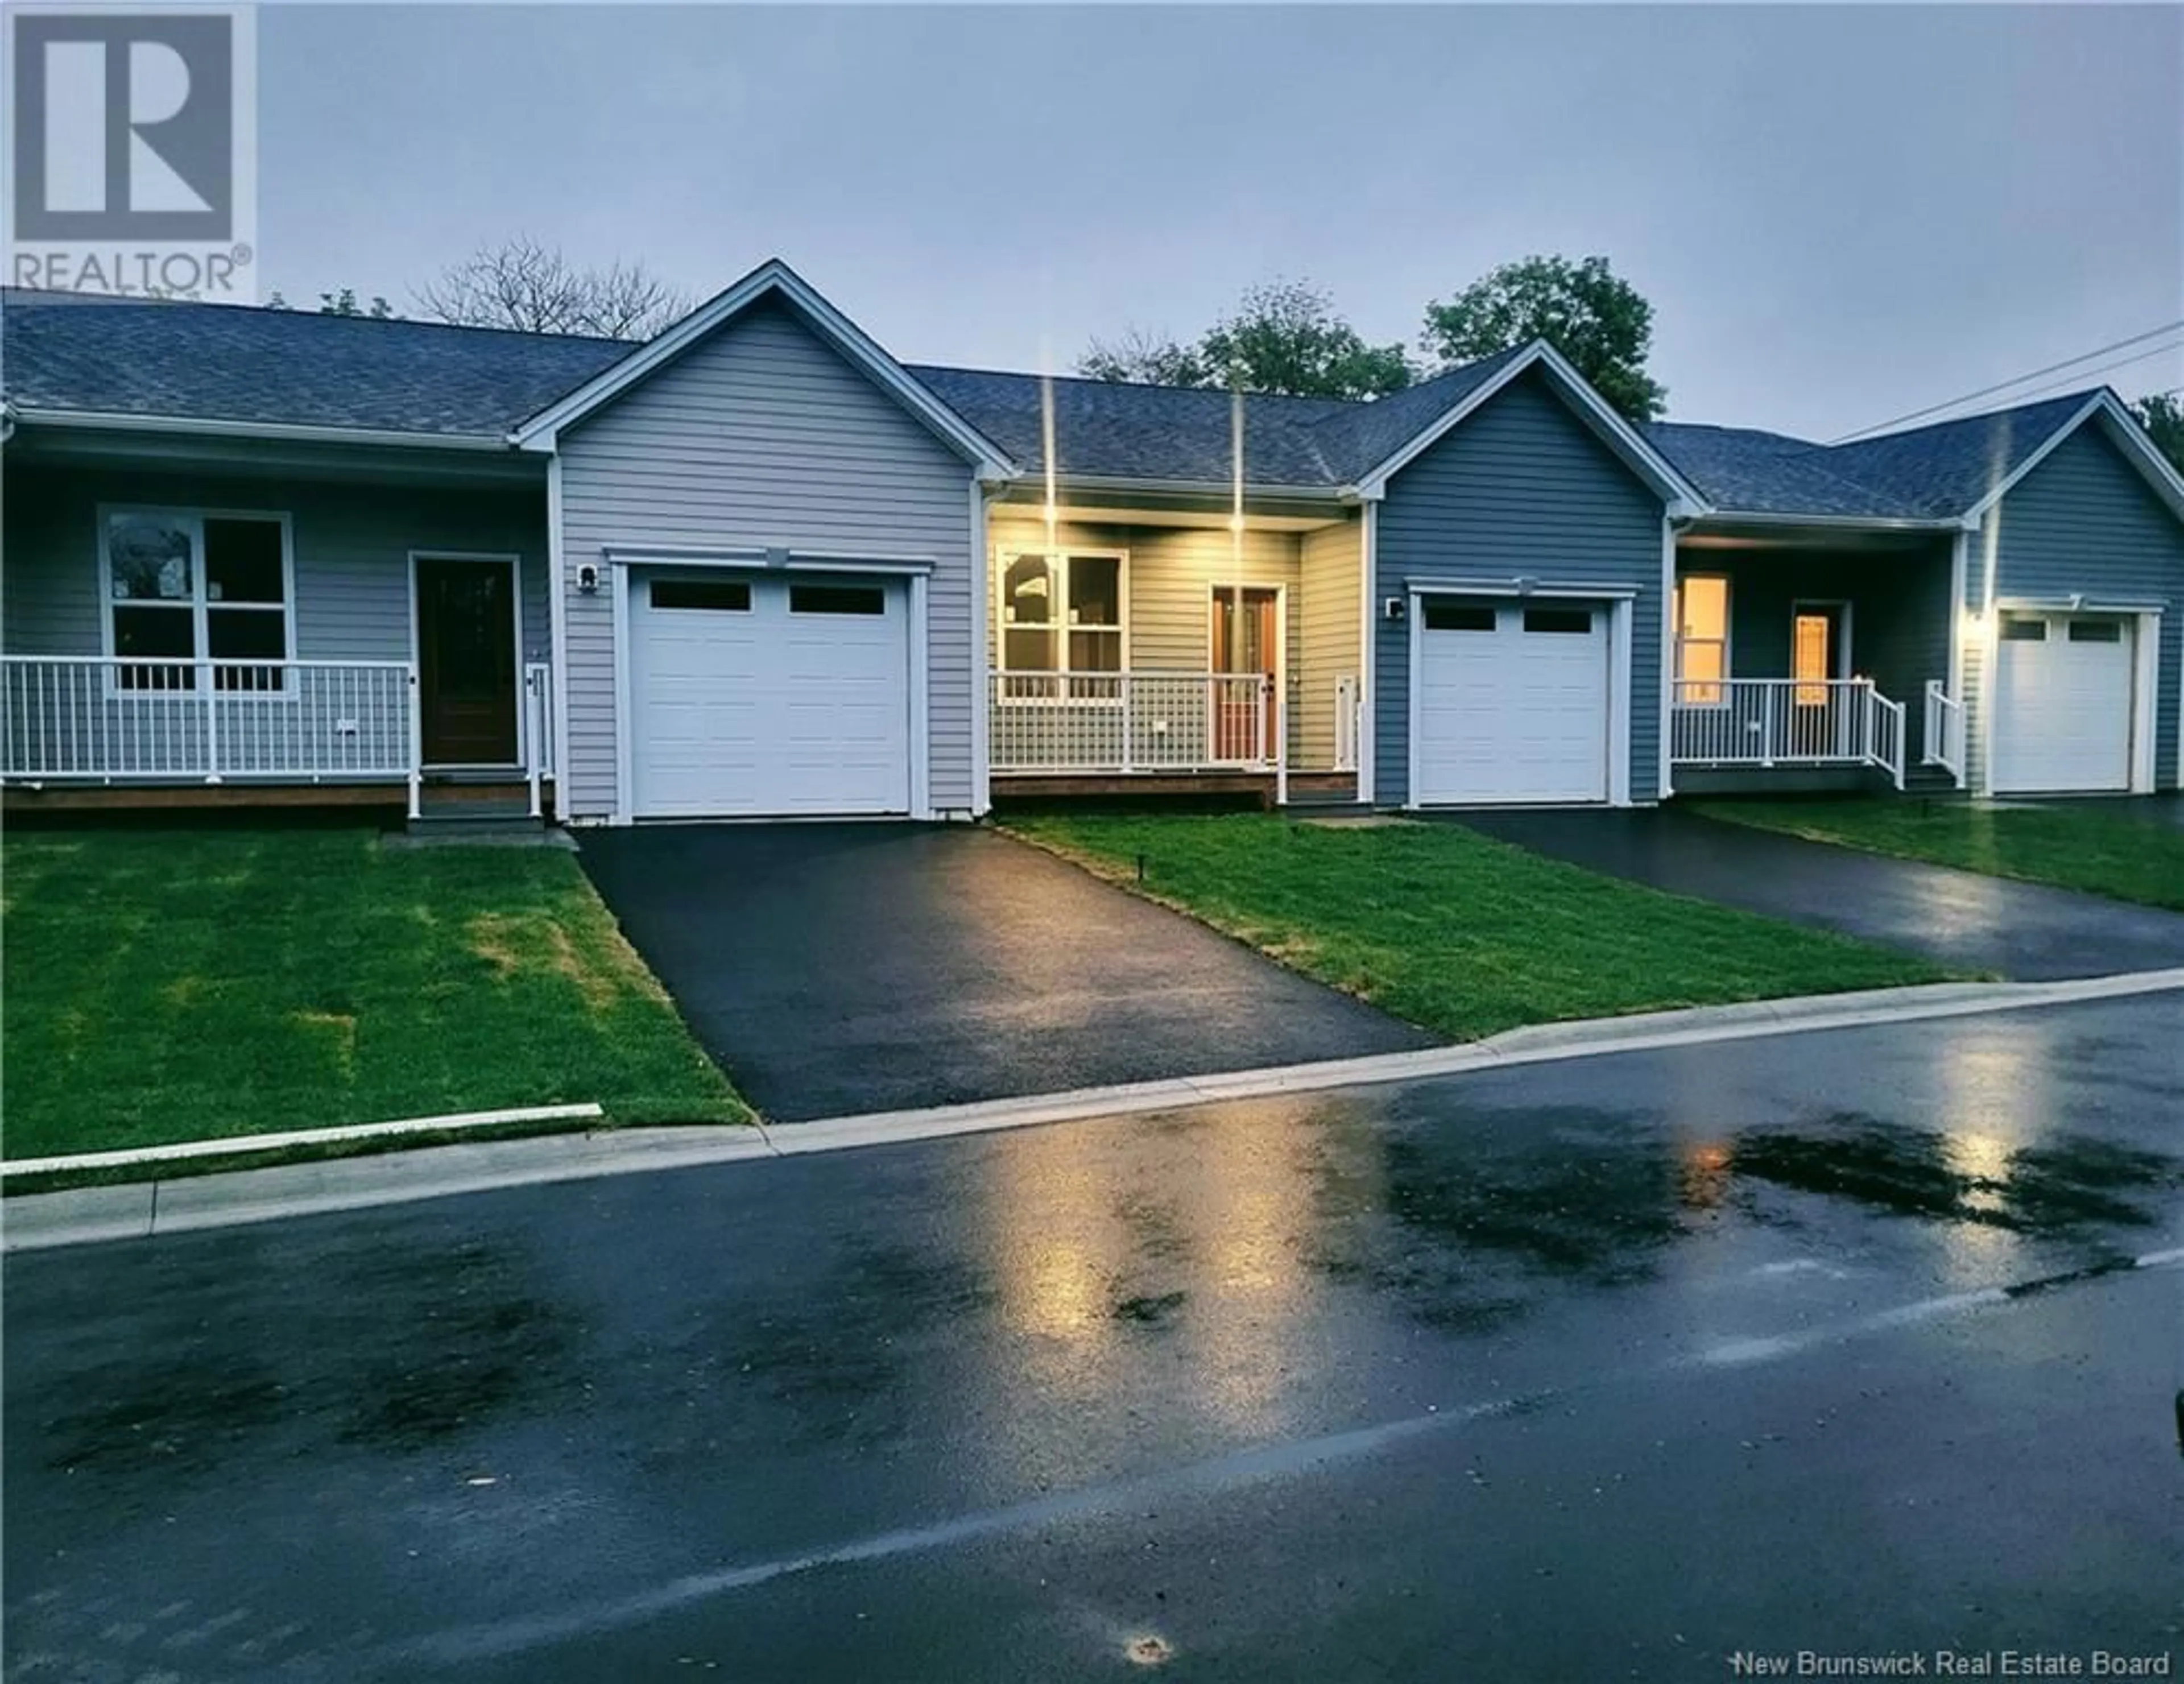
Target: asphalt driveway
{"x":840,"y":968}
{"x":2023,"y":931}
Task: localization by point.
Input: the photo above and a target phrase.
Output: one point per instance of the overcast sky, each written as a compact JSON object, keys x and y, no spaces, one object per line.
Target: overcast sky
{"x":1840,"y":214}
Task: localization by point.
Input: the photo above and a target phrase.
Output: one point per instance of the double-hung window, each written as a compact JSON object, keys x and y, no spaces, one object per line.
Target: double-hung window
{"x":180,"y":586}
{"x":1062,"y":612}
{"x":1702,"y":613}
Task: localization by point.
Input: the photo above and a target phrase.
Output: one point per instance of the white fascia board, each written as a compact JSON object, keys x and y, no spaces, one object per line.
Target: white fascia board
{"x":1881,"y":523}
{"x":1428,"y":584}
{"x":204,"y":427}
{"x":1649,"y":463}
{"x":769,"y":278}
{"x":1186,"y":487}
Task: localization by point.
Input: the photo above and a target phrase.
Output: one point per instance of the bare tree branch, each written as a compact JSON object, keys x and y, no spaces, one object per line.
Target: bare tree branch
{"x":523,"y":284}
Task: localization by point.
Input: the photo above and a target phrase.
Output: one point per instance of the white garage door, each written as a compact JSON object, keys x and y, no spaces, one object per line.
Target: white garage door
{"x":1513,"y":702}
{"x":2063,"y":702}
{"x":753,"y":696}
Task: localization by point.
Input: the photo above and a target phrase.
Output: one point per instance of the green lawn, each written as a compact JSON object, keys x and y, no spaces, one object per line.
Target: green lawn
{"x":187,"y":984}
{"x":2074,"y":847}
{"x":1464,"y":935}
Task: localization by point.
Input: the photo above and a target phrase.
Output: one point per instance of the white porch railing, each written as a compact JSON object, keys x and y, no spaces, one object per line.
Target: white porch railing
{"x":537,"y":747}
{"x":118,"y":720}
{"x":1944,"y":736}
{"x":112,"y":719}
{"x":1349,"y":722}
{"x":1786,"y":722}
{"x":1135,"y":722}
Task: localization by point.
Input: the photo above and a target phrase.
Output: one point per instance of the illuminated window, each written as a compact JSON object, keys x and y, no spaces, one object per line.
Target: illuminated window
{"x":1062,"y":610}
{"x":1702,"y":639}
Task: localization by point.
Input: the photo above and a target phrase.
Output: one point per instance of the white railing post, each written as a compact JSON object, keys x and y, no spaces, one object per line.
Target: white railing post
{"x":211,"y":702}
{"x":416,"y":734}
{"x":1129,"y":722}
{"x":1277,"y":719}
{"x":530,"y":735}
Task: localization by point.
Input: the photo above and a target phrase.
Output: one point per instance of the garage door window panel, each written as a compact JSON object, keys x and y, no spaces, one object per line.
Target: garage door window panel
{"x":2096,"y":631}
{"x":711,"y":596}
{"x":1458,"y":616}
{"x":867,"y":600}
{"x":1558,"y":622}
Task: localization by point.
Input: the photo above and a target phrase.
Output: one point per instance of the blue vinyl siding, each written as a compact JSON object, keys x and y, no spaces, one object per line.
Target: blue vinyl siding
{"x":1521,"y":489}
{"x":1899,"y":614}
{"x":2084,"y":522}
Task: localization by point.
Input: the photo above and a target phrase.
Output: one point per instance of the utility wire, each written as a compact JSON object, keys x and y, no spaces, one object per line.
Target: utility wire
{"x":2004,"y":385}
{"x":2087,"y":374}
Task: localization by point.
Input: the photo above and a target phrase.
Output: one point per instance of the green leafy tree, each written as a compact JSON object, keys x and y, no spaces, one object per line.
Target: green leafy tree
{"x":2162,"y":416}
{"x":342,"y":303}
{"x":1597,"y":321}
{"x":1283,"y":336}
{"x":1139,"y":355}
{"x":345,"y":302}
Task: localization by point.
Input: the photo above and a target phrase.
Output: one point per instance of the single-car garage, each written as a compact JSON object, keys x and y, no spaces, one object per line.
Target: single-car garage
{"x":2063,"y":701}
{"x":1514,"y":700}
{"x":755,"y":694}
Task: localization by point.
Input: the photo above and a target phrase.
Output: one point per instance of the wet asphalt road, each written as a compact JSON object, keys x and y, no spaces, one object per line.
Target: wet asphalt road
{"x":2023,"y":931}
{"x":1583,"y":1371}
{"x":907,"y":966}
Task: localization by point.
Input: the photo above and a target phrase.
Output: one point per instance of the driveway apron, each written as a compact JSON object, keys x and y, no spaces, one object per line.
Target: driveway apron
{"x":841,"y":968}
{"x":2023,"y":931}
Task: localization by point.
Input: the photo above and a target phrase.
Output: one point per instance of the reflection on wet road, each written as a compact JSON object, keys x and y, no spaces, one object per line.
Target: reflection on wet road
{"x":319,"y":1441}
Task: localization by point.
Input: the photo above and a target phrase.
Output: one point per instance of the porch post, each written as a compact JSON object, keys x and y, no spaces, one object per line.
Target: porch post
{"x":1279,"y":714}
{"x":416,"y":745}
{"x":1130,"y":707}
{"x":531,"y":733}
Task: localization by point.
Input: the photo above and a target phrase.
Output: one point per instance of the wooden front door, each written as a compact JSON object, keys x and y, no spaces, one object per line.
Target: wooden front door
{"x":1246,"y":640}
{"x":467,"y":665}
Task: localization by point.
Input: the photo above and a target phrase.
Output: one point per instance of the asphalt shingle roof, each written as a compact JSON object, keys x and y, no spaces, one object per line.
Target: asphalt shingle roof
{"x":299,"y":368}
{"x":1116,"y":430}
{"x":292,"y":367}
{"x":1767,"y":473}
{"x":1946,"y":468}
{"x":1927,"y":473}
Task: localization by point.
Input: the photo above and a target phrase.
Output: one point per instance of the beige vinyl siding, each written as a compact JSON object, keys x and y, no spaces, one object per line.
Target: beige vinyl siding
{"x":352,"y":545}
{"x":1332,"y":570}
{"x":764,"y":437}
{"x":1168,"y":599}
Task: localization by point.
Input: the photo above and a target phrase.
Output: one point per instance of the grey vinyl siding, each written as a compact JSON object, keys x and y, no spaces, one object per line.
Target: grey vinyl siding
{"x":1168,"y":594}
{"x":351,"y":542}
{"x":1331,"y":568}
{"x":2084,"y":522}
{"x":764,"y":437}
{"x":1522,"y":489}
{"x":1899,"y":614}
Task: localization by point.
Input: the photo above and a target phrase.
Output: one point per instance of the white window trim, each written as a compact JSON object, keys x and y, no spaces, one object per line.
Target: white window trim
{"x":1061,"y":553}
{"x":200,"y":636}
{"x":1676,"y":679}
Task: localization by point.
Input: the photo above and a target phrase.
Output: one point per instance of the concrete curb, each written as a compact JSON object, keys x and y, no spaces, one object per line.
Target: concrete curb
{"x":236,"y":1146}
{"x":141,"y":1210}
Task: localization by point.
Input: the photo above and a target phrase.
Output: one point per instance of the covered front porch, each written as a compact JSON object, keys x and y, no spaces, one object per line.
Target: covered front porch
{"x":1811,"y":658}
{"x":1173,"y":649}
{"x":228,"y":627}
